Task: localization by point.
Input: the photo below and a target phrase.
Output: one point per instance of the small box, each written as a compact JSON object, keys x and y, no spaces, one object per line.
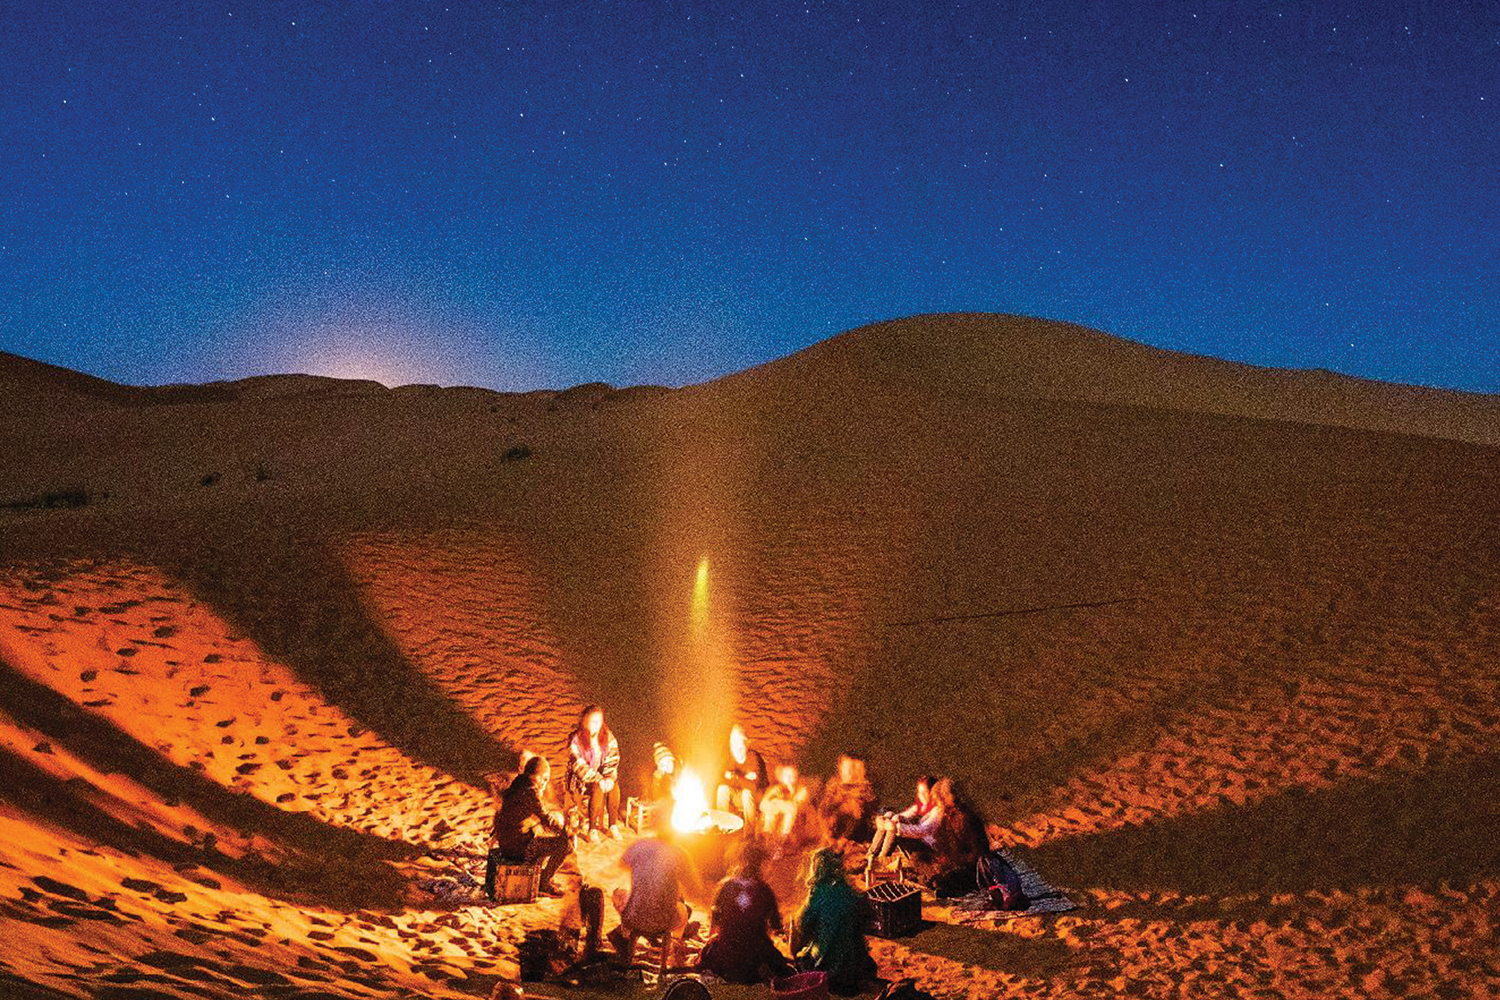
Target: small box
{"x":517,"y":883}
{"x":897,"y":909}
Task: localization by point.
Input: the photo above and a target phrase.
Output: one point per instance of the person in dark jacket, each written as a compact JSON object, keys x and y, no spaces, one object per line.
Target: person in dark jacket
{"x":745,"y":913}
{"x":847,"y":804}
{"x":742,"y":778}
{"x":525,"y":832}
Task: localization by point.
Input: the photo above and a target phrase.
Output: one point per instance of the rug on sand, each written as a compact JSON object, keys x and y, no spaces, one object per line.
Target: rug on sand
{"x":1045,"y":897}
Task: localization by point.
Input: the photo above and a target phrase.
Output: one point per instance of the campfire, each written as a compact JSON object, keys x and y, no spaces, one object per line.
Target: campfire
{"x":690,"y":811}
{"x":705,"y":833}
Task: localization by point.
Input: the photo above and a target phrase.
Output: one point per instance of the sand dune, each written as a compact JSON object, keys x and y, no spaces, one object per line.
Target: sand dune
{"x":1216,"y":644}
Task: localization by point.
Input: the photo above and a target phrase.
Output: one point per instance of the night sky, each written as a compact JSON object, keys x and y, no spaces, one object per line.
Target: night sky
{"x":522,"y":195}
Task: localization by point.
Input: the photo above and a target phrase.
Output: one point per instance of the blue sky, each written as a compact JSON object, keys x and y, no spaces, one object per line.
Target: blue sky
{"x":539,"y":194}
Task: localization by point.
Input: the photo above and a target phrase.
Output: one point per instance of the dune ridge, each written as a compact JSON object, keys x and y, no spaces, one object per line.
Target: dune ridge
{"x":1215,"y":644}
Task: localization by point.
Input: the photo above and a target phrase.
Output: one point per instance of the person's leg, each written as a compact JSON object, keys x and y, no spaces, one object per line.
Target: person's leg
{"x":612,"y":805}
{"x":885,"y":837}
{"x":576,"y":803}
{"x":622,"y":937}
{"x":747,"y":805}
{"x":772,"y":958}
{"x":722,"y":797}
{"x":490,"y":863}
{"x":595,"y":799}
{"x":551,"y":852}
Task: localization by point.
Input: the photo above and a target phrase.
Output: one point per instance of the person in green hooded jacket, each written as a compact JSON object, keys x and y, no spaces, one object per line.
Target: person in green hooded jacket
{"x":829,"y":935}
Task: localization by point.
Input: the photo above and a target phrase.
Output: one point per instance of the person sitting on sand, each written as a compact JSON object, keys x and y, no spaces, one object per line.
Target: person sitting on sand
{"x":664,"y":778}
{"x":661,"y":875}
{"x":914,"y":828}
{"x":957,"y":843}
{"x":829,"y":935}
{"x":848,"y":803}
{"x":526,"y":832}
{"x":593,"y":775}
{"x":743,"y":778}
{"x":740,"y":949}
{"x":783,"y":809}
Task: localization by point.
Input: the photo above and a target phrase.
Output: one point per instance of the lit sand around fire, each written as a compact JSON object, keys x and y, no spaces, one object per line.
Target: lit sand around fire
{"x":1217,"y":645}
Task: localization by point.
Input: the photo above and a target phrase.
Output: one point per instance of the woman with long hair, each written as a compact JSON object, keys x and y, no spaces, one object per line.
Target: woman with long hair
{"x":829,"y":934}
{"x":745,"y":913}
{"x":593,"y":775}
{"x":958,"y":841}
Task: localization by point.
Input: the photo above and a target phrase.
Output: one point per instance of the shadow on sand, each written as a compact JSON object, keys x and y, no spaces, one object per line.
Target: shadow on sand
{"x":1433,"y":825}
{"x":345,"y":862}
{"x":297,"y":602}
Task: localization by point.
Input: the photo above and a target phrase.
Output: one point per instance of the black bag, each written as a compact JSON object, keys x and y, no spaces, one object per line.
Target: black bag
{"x":905,"y":989}
{"x":995,"y":875}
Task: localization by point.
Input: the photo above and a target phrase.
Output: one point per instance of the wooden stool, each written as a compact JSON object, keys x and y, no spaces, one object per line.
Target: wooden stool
{"x":661,"y":941}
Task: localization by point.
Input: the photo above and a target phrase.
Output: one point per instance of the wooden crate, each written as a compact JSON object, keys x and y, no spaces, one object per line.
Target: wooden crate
{"x":897,"y":909}
{"x":517,"y":883}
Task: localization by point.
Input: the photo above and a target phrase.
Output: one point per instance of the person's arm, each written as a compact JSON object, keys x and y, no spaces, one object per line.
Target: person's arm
{"x":692,"y":882}
{"x":923,"y":829}
{"x":775,"y":907}
{"x":609,"y":769}
{"x":805,"y":928}
{"x":716,"y":914}
{"x":908,"y":812}
{"x":582,"y":769}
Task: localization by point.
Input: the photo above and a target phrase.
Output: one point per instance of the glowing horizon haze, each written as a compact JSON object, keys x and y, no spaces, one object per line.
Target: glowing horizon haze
{"x":532,"y":195}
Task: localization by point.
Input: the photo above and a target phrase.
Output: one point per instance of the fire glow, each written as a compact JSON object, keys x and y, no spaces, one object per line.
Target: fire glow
{"x":690,"y":804}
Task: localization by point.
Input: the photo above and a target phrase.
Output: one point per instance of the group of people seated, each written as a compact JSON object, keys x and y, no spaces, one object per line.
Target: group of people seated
{"x":938,"y":834}
{"x":828,"y":933}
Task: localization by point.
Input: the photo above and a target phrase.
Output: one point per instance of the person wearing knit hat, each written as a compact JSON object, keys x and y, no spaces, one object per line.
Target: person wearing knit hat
{"x":664,"y":778}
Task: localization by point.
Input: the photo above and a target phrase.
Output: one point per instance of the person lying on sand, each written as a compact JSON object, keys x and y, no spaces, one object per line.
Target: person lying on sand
{"x":594,"y":774}
{"x":525,"y":832}
{"x":661,"y":875}
{"x":745,"y":912}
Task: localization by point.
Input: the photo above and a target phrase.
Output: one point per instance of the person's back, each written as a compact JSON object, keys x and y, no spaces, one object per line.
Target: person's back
{"x":745,"y":912}
{"x":960,"y":840}
{"x":831,"y":929}
{"x":744,"y":915}
{"x":519,"y":815}
{"x":659,"y":872}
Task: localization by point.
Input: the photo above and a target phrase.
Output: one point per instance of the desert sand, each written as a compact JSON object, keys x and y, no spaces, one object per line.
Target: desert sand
{"x":1218,"y":646}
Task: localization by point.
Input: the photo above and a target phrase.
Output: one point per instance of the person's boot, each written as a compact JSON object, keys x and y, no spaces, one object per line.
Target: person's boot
{"x":623,"y":945}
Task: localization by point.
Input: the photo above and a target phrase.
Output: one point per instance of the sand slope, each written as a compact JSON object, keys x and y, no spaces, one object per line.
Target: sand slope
{"x":1216,"y":643}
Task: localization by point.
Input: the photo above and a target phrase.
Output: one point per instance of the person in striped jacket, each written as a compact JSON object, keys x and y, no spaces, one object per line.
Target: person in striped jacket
{"x":593,"y":775}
